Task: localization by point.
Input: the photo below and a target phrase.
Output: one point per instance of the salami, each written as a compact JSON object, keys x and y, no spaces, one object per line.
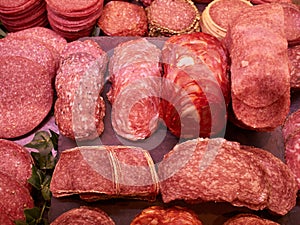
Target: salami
{"x":23,"y":108}
{"x":105,"y":172}
{"x":174,"y":215}
{"x":170,"y":17}
{"x":196,"y":87}
{"x":135,"y":71}
{"x":294,"y":57}
{"x":240,"y":177}
{"x":123,"y":19}
{"x":79,"y":109}
{"x":291,"y":22}
{"x":84,"y":216}
{"x":249,"y":219}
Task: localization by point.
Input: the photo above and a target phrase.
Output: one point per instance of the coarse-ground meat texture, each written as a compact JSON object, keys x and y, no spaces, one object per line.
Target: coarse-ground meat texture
{"x":15,"y":161}
{"x":83,"y":216}
{"x":135,"y":72}
{"x":195,"y":86}
{"x":4,"y":218}
{"x":169,"y":17}
{"x":104,"y":172}
{"x":174,"y":215}
{"x":249,"y":219}
{"x":291,"y":125}
{"x":14,"y":197}
{"x":294,"y":57}
{"x":123,"y":19}
{"x":31,"y":49}
{"x":238,"y":175}
{"x":257,"y":2}
{"x":261,"y":118}
{"x":67,"y":6}
{"x":291,"y":22}
{"x":26,"y":96}
{"x":6,"y":4}
{"x":79,"y":109}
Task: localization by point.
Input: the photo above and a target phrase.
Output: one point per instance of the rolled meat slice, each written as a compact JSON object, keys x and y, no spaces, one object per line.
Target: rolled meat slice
{"x":135,"y":75}
{"x":105,"y":172}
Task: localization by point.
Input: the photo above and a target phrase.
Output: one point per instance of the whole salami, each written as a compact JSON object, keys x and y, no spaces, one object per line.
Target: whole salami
{"x":135,"y":72}
{"x":195,"y":84}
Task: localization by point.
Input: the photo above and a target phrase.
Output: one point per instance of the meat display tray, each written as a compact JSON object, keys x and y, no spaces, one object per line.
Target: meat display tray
{"x":122,"y":211}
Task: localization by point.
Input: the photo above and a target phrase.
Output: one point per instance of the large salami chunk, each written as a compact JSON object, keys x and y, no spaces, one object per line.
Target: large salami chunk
{"x":195,"y":84}
{"x":105,"y":172}
{"x":257,"y":85}
{"x":249,"y":219}
{"x":135,"y":73}
{"x":84,"y":216}
{"x":166,"y":216}
{"x":250,"y":178}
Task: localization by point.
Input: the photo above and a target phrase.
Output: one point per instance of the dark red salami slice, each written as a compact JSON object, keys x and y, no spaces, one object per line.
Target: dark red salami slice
{"x":291,"y":125}
{"x":105,"y":172}
{"x":135,"y":76}
{"x":239,"y":176}
{"x":123,"y":19}
{"x":165,"y":216}
{"x":291,"y":21}
{"x":15,"y":161}
{"x":26,"y":96}
{"x":294,"y":57}
{"x":248,"y":219}
{"x":84,"y":216}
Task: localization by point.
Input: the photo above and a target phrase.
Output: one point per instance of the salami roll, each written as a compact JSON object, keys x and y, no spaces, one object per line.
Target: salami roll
{"x":105,"y":172}
{"x":240,"y":177}
{"x":249,"y":219}
{"x":170,"y":17}
{"x":164,"y":216}
{"x":22,"y":108}
{"x":135,"y":72}
{"x":123,"y":19}
{"x":196,"y":87}
{"x":294,"y":57}
{"x":84,"y":216}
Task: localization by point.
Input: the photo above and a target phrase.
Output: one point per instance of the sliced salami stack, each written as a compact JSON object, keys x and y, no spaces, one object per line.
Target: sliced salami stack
{"x":79,"y":108}
{"x":22,"y":14}
{"x":74,"y":19}
{"x":105,"y":172}
{"x":260,"y":76}
{"x":219,"y":170}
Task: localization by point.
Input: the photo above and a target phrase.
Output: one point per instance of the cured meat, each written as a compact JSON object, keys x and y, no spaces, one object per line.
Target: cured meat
{"x":123,"y":19}
{"x":291,"y":22}
{"x":294,"y":57}
{"x":84,"y":216}
{"x":14,"y":198}
{"x":26,"y":96}
{"x":256,"y":85}
{"x":174,"y":215}
{"x":240,"y":177}
{"x":291,"y":125}
{"x":15,"y":161}
{"x":249,"y":219}
{"x":196,"y":87}
{"x":170,"y":17}
{"x":105,"y":172}
{"x":79,"y":109}
{"x":135,"y":72}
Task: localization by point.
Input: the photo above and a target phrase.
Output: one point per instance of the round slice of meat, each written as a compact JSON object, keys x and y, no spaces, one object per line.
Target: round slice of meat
{"x":166,"y":216}
{"x":14,"y":197}
{"x":65,"y":6}
{"x":15,"y":161}
{"x":26,"y":96}
{"x":169,"y":17}
{"x":123,"y":19}
{"x":294,"y":57}
{"x":84,"y":216}
{"x":249,"y":219}
{"x":291,"y":125}
{"x":291,"y":22}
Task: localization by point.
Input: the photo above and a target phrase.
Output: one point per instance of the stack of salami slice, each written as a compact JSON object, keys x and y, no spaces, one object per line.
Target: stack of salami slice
{"x":74,"y":19}
{"x":23,"y":14}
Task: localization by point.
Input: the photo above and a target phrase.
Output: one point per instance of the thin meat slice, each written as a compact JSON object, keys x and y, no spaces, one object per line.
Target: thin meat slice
{"x":248,"y":219}
{"x":294,"y":57}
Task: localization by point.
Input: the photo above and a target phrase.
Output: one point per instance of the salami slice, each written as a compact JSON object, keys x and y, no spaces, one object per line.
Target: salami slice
{"x":291,"y":21}
{"x":135,"y":72}
{"x":105,"y":172}
{"x":294,"y":57}
{"x":239,"y":176}
{"x":291,"y":125}
{"x":249,"y":219}
{"x":84,"y":216}
{"x":123,"y":19}
{"x":26,"y":96}
{"x":173,"y":215}
{"x":195,"y":86}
